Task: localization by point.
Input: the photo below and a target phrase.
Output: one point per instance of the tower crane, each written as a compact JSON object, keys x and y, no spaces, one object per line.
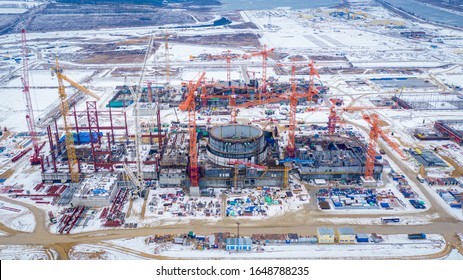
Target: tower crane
{"x":312,"y":89}
{"x":70,"y":148}
{"x":372,"y":143}
{"x":228,"y":58}
{"x":136,"y":95}
{"x":35,"y":159}
{"x":392,"y":144}
{"x":264,"y":53}
{"x":189,"y":105}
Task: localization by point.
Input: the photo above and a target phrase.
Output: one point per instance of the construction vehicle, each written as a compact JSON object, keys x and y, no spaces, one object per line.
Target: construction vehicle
{"x":416,"y":236}
{"x":35,"y":159}
{"x":52,"y":217}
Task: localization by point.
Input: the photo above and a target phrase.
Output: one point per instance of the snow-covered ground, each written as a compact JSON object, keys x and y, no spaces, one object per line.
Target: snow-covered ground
{"x":394,"y":246}
{"x":404,"y":220}
{"x":99,"y":252}
{"x":23,"y":252}
{"x":16,"y":217}
{"x":454,"y":255}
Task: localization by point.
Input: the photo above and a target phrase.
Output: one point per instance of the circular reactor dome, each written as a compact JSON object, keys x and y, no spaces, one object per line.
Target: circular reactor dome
{"x":236,"y":142}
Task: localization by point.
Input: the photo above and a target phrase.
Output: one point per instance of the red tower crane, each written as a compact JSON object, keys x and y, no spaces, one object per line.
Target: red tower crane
{"x":190,"y":105}
{"x":232,"y":104}
{"x":228,"y":57}
{"x":372,"y":143}
{"x":35,"y":158}
{"x":383,"y":135}
{"x":312,"y":89}
{"x":264,"y":53}
{"x":292,"y":97}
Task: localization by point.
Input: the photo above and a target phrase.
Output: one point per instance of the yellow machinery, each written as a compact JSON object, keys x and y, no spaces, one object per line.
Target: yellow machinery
{"x":70,"y":148}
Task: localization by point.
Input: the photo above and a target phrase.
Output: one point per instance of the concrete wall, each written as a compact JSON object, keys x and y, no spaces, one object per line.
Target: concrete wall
{"x":50,"y":177}
{"x":97,"y":201}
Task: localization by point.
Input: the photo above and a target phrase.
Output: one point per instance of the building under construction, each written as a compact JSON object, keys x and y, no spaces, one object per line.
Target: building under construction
{"x":452,"y":129}
{"x":333,"y":157}
{"x":241,"y":156}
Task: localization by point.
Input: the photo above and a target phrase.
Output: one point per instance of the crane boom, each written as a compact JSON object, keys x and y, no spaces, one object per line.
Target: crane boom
{"x":136,"y":97}
{"x":70,"y":148}
{"x":80,"y":87}
{"x":386,"y":138}
{"x":35,"y":158}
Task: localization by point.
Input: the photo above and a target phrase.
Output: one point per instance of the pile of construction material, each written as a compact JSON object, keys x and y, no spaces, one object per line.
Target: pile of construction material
{"x":172,"y":202}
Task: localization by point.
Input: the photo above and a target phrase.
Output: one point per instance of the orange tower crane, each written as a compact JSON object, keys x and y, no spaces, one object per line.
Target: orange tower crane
{"x":232,"y":103}
{"x":228,"y":58}
{"x":372,"y":143}
{"x":190,"y":105}
{"x":383,"y":135}
{"x":312,"y":89}
{"x":264,"y":53}
{"x":292,"y":97}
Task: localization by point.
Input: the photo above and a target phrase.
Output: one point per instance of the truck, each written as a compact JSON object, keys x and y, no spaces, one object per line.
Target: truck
{"x":52,"y":217}
{"x":415,"y":236}
{"x":420,"y":178}
{"x":390,"y":220}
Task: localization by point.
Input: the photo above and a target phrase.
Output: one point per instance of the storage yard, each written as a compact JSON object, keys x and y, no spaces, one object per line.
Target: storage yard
{"x":319,"y":115}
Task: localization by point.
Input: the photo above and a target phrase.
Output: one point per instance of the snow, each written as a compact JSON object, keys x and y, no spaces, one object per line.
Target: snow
{"x":17,"y":7}
{"x":23,"y":252}
{"x":454,"y":255}
{"x":393,"y":246}
{"x":404,"y":220}
{"x":101,"y":252}
{"x":43,"y":92}
{"x":22,"y":221}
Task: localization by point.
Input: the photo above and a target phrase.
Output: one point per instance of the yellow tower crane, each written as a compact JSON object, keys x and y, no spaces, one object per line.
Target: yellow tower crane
{"x":70,"y":148}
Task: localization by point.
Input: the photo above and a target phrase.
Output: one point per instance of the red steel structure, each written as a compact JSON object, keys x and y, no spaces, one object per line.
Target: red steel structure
{"x":190,"y":105}
{"x":35,"y":158}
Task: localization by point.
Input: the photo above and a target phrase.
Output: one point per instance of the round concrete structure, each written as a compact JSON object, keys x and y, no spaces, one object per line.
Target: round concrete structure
{"x":236,"y":142}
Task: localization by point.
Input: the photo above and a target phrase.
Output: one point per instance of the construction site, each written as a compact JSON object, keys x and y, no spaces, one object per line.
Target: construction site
{"x":286,"y":125}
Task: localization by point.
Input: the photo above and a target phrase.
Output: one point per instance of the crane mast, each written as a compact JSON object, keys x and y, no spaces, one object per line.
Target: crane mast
{"x":371,"y":153}
{"x":136,"y":97}
{"x":312,"y":89}
{"x":264,"y":53}
{"x":190,"y":105}
{"x":35,"y":158}
{"x":70,"y":148}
